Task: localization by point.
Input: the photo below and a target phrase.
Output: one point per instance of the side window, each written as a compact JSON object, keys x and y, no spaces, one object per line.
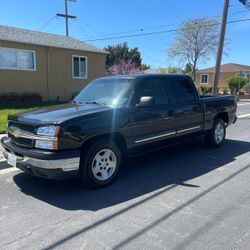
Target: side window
{"x":155,"y":88}
{"x":182,"y":90}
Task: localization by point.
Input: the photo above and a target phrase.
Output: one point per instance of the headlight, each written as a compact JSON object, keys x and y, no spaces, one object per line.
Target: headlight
{"x":51,"y":131}
{"x":49,"y":137}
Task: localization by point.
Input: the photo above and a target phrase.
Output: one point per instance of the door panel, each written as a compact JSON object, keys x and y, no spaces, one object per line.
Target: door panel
{"x":151,"y":124}
{"x":189,"y":118}
{"x":188,"y":110}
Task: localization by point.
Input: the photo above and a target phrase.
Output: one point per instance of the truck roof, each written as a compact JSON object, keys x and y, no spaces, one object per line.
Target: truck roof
{"x":141,"y":75}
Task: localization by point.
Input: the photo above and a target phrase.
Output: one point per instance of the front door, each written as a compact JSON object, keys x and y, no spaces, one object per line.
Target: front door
{"x":154,"y":123}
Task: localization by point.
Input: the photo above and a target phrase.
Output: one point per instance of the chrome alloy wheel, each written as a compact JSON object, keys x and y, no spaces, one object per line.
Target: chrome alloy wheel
{"x":104,"y":164}
{"x":219,"y":133}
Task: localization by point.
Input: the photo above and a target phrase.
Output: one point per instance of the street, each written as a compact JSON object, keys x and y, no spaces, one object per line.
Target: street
{"x":184,"y":197}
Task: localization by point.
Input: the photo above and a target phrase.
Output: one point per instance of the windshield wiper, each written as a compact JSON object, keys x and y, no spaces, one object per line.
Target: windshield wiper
{"x":94,"y":102}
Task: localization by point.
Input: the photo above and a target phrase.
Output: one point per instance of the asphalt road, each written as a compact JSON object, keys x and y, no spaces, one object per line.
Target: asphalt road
{"x":184,"y":197}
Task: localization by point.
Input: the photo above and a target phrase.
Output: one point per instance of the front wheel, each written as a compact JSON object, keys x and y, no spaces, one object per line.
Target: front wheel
{"x":216,"y":136}
{"x":100,"y":163}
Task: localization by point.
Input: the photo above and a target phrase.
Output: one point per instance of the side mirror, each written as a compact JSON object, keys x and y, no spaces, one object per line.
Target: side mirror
{"x":146,"y":101}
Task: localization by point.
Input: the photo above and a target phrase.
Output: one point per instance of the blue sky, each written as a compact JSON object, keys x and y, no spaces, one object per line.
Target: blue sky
{"x":97,"y":18}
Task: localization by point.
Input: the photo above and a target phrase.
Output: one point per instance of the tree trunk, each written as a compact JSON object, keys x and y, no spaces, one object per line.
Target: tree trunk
{"x":194,"y":71}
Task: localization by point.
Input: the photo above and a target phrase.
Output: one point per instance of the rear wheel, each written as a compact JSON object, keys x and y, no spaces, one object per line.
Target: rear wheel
{"x":100,"y":163}
{"x":216,"y":136}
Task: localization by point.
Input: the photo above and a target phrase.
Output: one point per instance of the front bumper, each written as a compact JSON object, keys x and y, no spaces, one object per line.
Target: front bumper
{"x":45,"y":164}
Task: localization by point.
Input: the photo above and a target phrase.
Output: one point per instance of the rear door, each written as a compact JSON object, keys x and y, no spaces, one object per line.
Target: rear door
{"x":155,"y":123}
{"x":187,"y":106}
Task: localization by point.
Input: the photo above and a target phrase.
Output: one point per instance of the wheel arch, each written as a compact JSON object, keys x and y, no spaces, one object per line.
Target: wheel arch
{"x":117,"y":137}
{"x":223,"y":116}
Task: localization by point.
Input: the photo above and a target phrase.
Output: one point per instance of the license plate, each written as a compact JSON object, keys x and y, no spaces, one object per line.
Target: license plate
{"x":11,"y":160}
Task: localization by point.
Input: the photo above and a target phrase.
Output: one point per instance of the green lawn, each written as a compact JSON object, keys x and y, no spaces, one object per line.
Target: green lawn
{"x":8,"y":109}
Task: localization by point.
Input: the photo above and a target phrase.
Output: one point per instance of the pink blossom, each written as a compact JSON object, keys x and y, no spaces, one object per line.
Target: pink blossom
{"x":122,"y":67}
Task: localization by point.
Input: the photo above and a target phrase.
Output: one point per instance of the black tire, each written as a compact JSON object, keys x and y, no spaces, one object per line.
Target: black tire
{"x":211,"y":138}
{"x":88,"y":163}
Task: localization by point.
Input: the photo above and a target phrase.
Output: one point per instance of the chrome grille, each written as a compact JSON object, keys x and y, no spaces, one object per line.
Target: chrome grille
{"x":20,"y":141}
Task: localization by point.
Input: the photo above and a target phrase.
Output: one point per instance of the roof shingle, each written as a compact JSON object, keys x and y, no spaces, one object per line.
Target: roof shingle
{"x":228,"y":67}
{"x":44,"y":39}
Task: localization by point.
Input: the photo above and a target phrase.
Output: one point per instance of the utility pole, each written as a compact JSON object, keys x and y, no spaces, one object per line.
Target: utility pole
{"x":220,"y":46}
{"x":66,"y":16}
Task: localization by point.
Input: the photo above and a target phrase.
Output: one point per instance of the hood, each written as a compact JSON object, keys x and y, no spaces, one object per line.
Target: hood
{"x":57,"y":114}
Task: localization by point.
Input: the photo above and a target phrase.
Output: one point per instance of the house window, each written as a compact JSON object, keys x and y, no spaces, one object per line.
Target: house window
{"x":79,"y":66}
{"x":204,"y":79}
{"x":17,"y":59}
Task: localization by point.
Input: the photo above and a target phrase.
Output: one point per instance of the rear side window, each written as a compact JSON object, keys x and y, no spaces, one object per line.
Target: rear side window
{"x":153,"y":87}
{"x":183,"y":90}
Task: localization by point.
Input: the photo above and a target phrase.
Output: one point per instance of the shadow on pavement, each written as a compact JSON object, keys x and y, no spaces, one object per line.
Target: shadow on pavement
{"x":139,"y":176}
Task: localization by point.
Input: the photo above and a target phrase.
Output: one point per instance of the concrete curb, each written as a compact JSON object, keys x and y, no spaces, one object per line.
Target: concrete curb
{"x":2,"y":135}
{"x":244,"y":100}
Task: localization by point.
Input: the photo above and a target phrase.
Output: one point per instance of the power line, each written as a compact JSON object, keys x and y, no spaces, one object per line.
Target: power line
{"x":82,"y":29}
{"x":162,"y":31}
{"x":47,"y":23}
{"x":144,"y":29}
{"x":139,"y":29}
{"x":132,"y":31}
{"x":97,"y":31}
{"x":177,"y":9}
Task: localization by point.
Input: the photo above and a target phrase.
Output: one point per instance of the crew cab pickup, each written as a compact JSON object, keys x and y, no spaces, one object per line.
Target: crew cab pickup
{"x":111,"y":118}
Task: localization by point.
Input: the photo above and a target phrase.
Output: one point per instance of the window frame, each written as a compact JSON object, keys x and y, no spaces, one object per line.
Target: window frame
{"x":79,"y":57}
{"x":190,"y":81}
{"x":204,"y":83}
{"x":141,"y":82}
{"x":23,"y":50}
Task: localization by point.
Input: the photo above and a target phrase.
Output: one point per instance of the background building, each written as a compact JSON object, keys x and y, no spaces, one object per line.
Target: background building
{"x":205,"y":77}
{"x":54,"y":66}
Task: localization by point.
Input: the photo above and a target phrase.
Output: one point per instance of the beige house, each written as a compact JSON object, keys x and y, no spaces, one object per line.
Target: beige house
{"x":205,"y":77}
{"x":54,"y":66}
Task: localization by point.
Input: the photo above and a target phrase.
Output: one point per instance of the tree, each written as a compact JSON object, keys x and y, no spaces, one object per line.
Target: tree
{"x":163,"y":70}
{"x":123,"y":67}
{"x":121,"y":52}
{"x":236,"y":83}
{"x":172,"y":69}
{"x":195,"y":41}
{"x":188,"y":69}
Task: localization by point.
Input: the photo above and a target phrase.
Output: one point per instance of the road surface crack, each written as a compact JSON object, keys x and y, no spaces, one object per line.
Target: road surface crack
{"x":20,"y":238}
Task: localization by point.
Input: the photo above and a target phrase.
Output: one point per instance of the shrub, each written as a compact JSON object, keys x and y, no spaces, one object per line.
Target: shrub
{"x":12,"y":97}
{"x":236,"y":83}
{"x":205,"y":90}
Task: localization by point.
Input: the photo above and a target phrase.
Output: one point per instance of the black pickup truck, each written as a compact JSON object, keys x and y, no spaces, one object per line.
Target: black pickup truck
{"x":111,"y":118}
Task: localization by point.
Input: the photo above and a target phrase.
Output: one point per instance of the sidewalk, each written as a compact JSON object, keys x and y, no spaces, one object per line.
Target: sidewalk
{"x":244,"y":100}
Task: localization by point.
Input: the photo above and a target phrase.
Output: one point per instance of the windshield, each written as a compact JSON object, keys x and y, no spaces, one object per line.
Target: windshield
{"x":109,"y":91}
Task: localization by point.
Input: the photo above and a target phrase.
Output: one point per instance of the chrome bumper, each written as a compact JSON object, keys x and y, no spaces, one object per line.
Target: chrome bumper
{"x":66,"y":165}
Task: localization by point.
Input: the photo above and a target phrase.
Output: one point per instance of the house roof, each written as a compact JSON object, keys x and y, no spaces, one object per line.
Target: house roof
{"x":44,"y":39}
{"x":229,"y":67}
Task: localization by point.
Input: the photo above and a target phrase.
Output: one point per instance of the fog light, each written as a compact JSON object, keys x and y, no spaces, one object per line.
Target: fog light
{"x":52,"y":145}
